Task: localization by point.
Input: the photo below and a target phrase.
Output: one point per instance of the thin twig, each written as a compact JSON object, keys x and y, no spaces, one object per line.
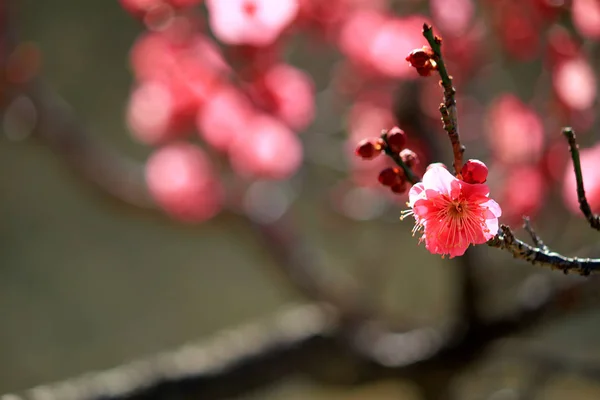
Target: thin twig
{"x":537,"y":241}
{"x":506,"y":240}
{"x":408,"y":172}
{"x":593,"y":219}
{"x":448,"y":107}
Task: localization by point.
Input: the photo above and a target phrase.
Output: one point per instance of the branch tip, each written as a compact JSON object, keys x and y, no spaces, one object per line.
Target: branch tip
{"x":594,"y":220}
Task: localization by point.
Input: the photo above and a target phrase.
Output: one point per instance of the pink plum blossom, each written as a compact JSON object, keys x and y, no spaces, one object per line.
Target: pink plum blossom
{"x":575,"y":83}
{"x":452,"y":214}
{"x":586,"y":17}
{"x":182,"y":181}
{"x":253,"y":22}
{"x":268,"y":150}
{"x":515,"y":130}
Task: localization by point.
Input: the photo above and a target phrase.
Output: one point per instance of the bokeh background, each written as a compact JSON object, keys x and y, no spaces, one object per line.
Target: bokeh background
{"x":87,"y":282}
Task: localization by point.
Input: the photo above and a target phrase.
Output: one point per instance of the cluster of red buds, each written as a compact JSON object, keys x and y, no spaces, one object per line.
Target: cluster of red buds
{"x":422,"y":60}
{"x":392,"y":142}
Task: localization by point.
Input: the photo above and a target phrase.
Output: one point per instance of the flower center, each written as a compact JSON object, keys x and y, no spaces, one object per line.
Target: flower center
{"x":456,"y":209}
{"x":249,"y":8}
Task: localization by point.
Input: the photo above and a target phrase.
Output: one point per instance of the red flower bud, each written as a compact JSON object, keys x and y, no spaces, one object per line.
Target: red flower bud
{"x":399,"y":187}
{"x":409,"y":158}
{"x":391,"y":176}
{"x":474,"y":171}
{"x":422,"y":60}
{"x":396,"y":139}
{"x":368,"y":149}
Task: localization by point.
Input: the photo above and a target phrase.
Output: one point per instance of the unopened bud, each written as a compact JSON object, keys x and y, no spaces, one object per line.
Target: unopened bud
{"x":368,"y":149}
{"x":396,"y":139}
{"x":391,"y":176}
{"x":474,"y":171}
{"x":409,"y":158}
{"x":399,"y":188}
{"x":422,"y":60}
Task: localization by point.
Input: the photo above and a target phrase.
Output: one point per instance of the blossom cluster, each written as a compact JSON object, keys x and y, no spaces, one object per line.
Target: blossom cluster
{"x":217,"y":98}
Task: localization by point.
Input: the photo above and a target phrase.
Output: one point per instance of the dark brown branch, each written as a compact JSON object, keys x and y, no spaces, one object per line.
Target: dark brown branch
{"x":299,"y":262}
{"x":507,"y":241}
{"x":58,"y":126}
{"x":593,"y":219}
{"x":448,"y":107}
{"x":537,"y":241}
{"x":227,"y":365}
{"x":299,"y":339}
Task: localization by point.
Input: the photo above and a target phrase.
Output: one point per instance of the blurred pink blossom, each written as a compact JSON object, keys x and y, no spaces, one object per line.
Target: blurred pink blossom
{"x":452,"y":16}
{"x":394,"y":40}
{"x":575,"y":83}
{"x":182,"y":181}
{"x":516,"y":133}
{"x":253,"y":22}
{"x":154,"y":115}
{"x":223,"y":120}
{"x":523,"y":192}
{"x":268,"y":149}
{"x":288,"y":93}
{"x":586,"y":17}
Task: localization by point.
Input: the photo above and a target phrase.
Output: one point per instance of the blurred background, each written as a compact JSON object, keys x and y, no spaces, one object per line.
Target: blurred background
{"x":90,"y":280}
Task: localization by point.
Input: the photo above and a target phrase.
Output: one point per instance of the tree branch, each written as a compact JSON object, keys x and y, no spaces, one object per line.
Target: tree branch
{"x":298,"y":340}
{"x":594,"y":220}
{"x":537,"y":241}
{"x":507,"y":241}
{"x":448,"y":107}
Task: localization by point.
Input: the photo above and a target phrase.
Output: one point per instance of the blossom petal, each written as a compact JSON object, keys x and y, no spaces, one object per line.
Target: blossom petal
{"x":472,"y":190}
{"x":458,"y":250}
{"x":492,"y":226}
{"x":416,"y":192}
{"x":493,"y":207}
{"x":439,"y":179}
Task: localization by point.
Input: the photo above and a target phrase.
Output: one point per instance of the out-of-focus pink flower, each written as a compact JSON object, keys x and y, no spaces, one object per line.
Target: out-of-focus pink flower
{"x":516,"y":132}
{"x":181,"y":180}
{"x":288,"y":93}
{"x":586,"y":17}
{"x":452,"y":16}
{"x":517,"y":29}
{"x":590,"y":170}
{"x":452,"y":214}
{"x":223,"y":120}
{"x":254,"y":22}
{"x":384,"y":42}
{"x":363,"y":24}
{"x":269,"y":149}
{"x":154,"y":115}
{"x":561,"y":46}
{"x":152,"y":56}
{"x":575,"y":83}
{"x":175,"y":78}
{"x":140,"y":7}
{"x":394,"y":40}
{"x":522,"y":192}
